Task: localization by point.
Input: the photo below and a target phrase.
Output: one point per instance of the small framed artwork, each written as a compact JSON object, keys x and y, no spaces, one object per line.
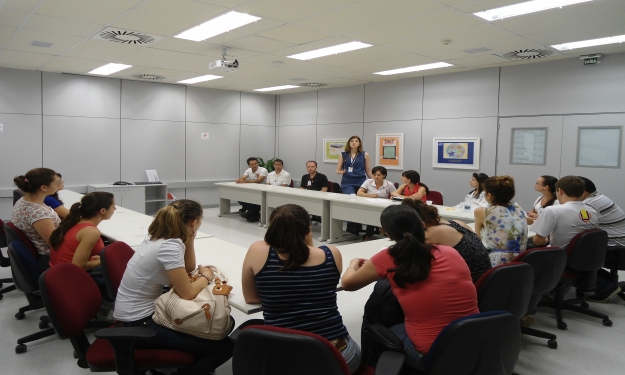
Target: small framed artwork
{"x":456,"y":153}
{"x":332,"y":149}
{"x":389,"y":151}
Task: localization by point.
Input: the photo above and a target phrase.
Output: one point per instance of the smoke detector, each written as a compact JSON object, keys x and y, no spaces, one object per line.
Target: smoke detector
{"x":149,"y":77}
{"x":313,"y":84}
{"x":117,"y":35}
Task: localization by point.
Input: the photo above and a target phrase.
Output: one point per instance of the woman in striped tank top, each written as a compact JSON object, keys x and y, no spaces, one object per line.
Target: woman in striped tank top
{"x":296,"y":281}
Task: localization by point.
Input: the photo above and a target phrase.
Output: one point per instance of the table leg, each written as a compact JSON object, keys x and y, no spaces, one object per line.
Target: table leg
{"x":325,"y":222}
{"x":336,"y":232}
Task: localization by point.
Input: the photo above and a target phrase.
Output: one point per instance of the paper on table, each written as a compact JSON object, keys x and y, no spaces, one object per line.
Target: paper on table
{"x":377,"y":200}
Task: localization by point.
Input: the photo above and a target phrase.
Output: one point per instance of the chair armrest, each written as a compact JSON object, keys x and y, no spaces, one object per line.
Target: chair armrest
{"x":390,"y":363}
{"x":233,"y":336}
{"x":125,"y":333}
{"x":384,"y":337}
{"x":123,"y":341}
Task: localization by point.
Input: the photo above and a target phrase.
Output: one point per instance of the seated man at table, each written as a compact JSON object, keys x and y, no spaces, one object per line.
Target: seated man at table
{"x":279,"y":177}
{"x":558,"y":224}
{"x":313,"y":180}
{"x":253,"y":175}
{"x":611,"y":220}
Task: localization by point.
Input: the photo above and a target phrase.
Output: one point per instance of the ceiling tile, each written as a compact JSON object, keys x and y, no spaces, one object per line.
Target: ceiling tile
{"x":290,"y":10}
{"x":169,"y":74}
{"x":388,"y":64}
{"x":22,"y":5}
{"x":5,"y":34}
{"x":430,"y":23}
{"x":65,"y":64}
{"x":368,"y":13}
{"x":180,"y":45}
{"x":151,"y":57}
{"x":323,"y":43}
{"x":580,"y":32}
{"x":259,"y":44}
{"x":100,"y":50}
{"x":49,"y":24}
{"x":61,"y":43}
{"x":214,"y":52}
{"x":225,"y":3}
{"x":179,"y":15}
{"x":23,"y":60}
{"x":294,"y":34}
{"x":13,"y":18}
{"x":192,"y":63}
{"x":98,"y":12}
{"x":250,"y":29}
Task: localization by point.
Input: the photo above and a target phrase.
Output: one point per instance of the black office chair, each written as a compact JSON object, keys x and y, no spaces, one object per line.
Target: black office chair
{"x":615,"y":261}
{"x":4,"y":262}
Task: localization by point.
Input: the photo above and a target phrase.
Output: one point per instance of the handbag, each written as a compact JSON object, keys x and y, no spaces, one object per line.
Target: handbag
{"x":206,"y":316}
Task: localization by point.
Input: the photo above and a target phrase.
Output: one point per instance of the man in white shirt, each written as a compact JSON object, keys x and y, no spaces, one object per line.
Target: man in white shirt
{"x":253,"y":175}
{"x":279,"y":177}
{"x":558,"y":224}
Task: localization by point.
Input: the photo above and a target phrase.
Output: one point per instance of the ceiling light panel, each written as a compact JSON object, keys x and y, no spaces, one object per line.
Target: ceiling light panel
{"x":224,"y":23}
{"x":108,"y":69}
{"x":276,"y":88}
{"x":414,"y":68}
{"x":207,"y":77}
{"x":346,"y":47}
{"x":525,"y":8}
{"x":590,"y":43}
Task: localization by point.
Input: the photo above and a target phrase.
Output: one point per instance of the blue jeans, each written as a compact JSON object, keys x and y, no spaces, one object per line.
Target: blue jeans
{"x":210,"y":353}
{"x":352,"y":355}
{"x":414,"y":359}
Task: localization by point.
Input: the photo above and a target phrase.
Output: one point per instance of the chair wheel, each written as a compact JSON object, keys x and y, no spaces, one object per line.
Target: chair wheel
{"x":584,"y":305}
{"x":43,"y":325}
{"x":552,"y":344}
{"x":607,"y":322}
{"x":21,"y":348}
{"x":562,"y":325}
{"x":20,"y":316}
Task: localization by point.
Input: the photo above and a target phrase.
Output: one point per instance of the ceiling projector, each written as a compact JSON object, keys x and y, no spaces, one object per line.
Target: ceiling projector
{"x":224,"y":65}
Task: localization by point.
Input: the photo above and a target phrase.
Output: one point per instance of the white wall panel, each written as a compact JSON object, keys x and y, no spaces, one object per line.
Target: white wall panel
{"x":467,"y":94}
{"x":152,"y":101}
{"x":454,"y":183}
{"x":258,"y":141}
{"x":73,"y":95}
{"x":214,"y":106}
{"x":20,"y":91}
{"x":412,"y":142}
{"x":394,"y":100}
{"x":156,"y":145}
{"x":341,"y":105}
{"x":214,"y":159}
{"x":298,"y":109}
{"x":258,"y":109}
{"x":84,"y":150}
{"x":609,"y":181}
{"x":564,"y":86}
{"x":20,"y":146}
{"x":297,"y":146}
{"x":206,"y":197}
{"x":334,"y":131}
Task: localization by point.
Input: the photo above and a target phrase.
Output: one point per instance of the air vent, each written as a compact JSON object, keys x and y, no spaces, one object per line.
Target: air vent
{"x":526,"y":54}
{"x":36,"y":43}
{"x":149,"y":77}
{"x":313,"y":84}
{"x":476,"y":50}
{"x":113,"y":34}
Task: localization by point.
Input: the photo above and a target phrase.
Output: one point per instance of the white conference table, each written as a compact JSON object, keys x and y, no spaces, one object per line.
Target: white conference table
{"x":248,"y":193}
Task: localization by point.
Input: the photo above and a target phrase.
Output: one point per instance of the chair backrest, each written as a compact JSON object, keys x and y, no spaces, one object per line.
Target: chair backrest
{"x":17,"y":194}
{"x":506,"y":287}
{"x":113,"y":260}
{"x":396,"y":184}
{"x":273,"y":350}
{"x":24,"y":267}
{"x":291,"y":184}
{"x":586,"y":251}
{"x":69,"y":308}
{"x":15,"y":234}
{"x":3,"y":236}
{"x":548,"y":265}
{"x":435,"y":196}
{"x":485,"y":343}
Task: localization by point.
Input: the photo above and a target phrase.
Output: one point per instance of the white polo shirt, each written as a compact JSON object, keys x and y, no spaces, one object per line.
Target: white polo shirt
{"x":383,"y":192}
{"x":564,"y":221}
{"x":260,"y":171}
{"x":284,"y":178}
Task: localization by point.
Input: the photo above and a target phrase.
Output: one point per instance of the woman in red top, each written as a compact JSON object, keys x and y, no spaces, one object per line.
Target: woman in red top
{"x":77,"y":239}
{"x":431,"y":282}
{"x":411,"y":186}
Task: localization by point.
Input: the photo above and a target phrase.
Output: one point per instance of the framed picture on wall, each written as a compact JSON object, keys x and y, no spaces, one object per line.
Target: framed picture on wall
{"x":389,"y":150}
{"x":456,"y":153}
{"x":332,"y":149}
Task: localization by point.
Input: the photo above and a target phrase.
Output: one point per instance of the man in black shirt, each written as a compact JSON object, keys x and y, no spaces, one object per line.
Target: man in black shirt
{"x":313,"y":180}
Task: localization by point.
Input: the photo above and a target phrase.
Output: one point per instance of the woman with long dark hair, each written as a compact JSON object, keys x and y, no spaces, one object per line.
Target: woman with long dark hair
{"x":431,"y":282}
{"x":475,"y":198}
{"x":411,"y":186}
{"x":546,"y":185}
{"x":296,"y":281}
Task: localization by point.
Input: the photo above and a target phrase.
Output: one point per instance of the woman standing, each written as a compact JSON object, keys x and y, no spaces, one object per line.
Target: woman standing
{"x":411,"y":186}
{"x":502,"y":225}
{"x":166,"y":257}
{"x":377,"y":187}
{"x":546,"y":185}
{"x":296,"y":281}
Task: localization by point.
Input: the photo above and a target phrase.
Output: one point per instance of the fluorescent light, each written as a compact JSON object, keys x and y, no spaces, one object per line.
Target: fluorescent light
{"x":414,"y":68}
{"x":109,"y":69}
{"x":216,"y":26}
{"x":276,"y":88}
{"x":590,"y":43}
{"x":525,"y":8}
{"x":346,"y":47}
{"x":200,"y":79}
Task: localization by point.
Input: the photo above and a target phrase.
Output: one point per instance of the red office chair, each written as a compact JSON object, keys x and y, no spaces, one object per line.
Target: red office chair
{"x":113,"y":260}
{"x":291,"y":184}
{"x":435,"y":196}
{"x":585,"y":255}
{"x":70,"y":310}
{"x":548,"y":264}
{"x":4,"y":261}
{"x":15,"y":234}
